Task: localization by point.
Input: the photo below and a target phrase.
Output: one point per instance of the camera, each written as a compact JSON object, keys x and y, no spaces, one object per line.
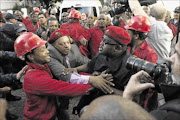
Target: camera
{"x":122,"y":6}
{"x":160,"y":72}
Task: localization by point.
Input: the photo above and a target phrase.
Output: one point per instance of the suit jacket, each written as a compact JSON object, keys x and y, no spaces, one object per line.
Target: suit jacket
{"x":56,"y":64}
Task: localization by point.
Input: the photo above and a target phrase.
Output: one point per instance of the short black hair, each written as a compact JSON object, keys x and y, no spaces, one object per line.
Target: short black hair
{"x":142,"y":35}
{"x":41,"y":13}
{"x":51,"y":19}
{"x":26,"y":58}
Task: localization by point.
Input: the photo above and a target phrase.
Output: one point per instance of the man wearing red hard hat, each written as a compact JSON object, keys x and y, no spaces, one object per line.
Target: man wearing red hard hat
{"x":39,"y":85}
{"x":138,"y":28}
{"x":112,"y":57}
{"x":75,"y":29}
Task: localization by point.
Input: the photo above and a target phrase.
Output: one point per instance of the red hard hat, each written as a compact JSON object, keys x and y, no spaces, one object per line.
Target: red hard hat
{"x":74,"y":14}
{"x":139,"y":23}
{"x":36,"y":9}
{"x":69,"y":10}
{"x":27,"y":42}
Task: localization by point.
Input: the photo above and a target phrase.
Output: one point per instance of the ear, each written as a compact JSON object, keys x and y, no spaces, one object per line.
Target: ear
{"x":30,"y":57}
{"x":70,"y":39}
{"x":136,"y":36}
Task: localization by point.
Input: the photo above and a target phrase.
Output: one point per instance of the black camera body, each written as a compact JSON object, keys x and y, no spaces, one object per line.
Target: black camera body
{"x":160,"y":72}
{"x":123,"y":6}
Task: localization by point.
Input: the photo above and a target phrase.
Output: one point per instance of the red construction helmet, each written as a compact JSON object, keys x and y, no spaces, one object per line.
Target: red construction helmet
{"x":139,"y":23}
{"x":74,"y":14}
{"x":69,"y":10}
{"x":27,"y":42}
{"x":36,"y":9}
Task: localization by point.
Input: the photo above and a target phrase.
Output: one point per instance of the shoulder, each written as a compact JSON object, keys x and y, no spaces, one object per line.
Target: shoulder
{"x":51,"y":49}
{"x":74,"y":46}
{"x":34,"y":74}
{"x":74,"y":49}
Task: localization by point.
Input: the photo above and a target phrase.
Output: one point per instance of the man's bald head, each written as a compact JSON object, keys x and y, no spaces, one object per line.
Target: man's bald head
{"x":158,"y":11}
{"x":18,"y":15}
{"x":168,"y":16}
{"x":112,"y":107}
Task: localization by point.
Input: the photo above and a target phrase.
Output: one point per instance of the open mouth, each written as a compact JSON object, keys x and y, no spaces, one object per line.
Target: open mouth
{"x":48,"y":57}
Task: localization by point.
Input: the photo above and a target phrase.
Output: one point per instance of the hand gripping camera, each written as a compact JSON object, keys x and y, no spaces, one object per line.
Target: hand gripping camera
{"x":160,"y":72}
{"x":123,"y":6}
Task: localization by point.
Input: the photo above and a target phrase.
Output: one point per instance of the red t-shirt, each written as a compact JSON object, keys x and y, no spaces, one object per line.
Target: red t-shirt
{"x":144,"y":51}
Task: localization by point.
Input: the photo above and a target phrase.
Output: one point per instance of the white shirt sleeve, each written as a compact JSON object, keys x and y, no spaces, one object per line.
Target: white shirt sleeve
{"x":79,"y":79}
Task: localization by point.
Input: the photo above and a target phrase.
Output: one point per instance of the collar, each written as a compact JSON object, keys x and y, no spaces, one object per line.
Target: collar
{"x":98,"y":28}
{"x":114,"y":64}
{"x":43,"y":27}
{"x":54,"y":53}
{"x":76,"y":22}
{"x":143,"y":45}
{"x":38,"y":67}
{"x":9,"y":23}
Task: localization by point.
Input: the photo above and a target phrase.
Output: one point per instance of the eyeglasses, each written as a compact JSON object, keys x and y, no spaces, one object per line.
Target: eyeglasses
{"x":105,"y":42}
{"x":108,"y":43}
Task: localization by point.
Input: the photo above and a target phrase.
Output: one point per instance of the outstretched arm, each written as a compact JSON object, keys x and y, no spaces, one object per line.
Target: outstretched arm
{"x":136,"y":8}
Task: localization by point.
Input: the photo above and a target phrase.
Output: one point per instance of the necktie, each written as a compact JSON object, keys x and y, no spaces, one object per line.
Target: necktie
{"x":66,"y":62}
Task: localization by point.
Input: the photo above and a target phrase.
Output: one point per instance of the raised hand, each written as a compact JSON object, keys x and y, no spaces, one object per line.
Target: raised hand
{"x":83,"y":41}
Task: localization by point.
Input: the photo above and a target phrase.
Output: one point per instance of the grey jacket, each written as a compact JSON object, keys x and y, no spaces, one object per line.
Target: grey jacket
{"x":56,"y":64}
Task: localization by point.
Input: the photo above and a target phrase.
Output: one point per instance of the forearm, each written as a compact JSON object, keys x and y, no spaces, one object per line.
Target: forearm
{"x":127,"y":95}
{"x":82,"y":68}
{"x":7,"y":78}
{"x":136,"y":8}
{"x":124,"y":18}
{"x":7,"y":55}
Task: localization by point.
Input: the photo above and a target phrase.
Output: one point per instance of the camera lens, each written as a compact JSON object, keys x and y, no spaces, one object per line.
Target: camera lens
{"x":137,"y":64}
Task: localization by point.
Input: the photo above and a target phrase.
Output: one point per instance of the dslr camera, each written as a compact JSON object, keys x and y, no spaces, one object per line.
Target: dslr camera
{"x":122,"y":6}
{"x":160,"y":72}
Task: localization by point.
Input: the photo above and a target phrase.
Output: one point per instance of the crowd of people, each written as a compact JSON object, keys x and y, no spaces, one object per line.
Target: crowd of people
{"x":53,"y":60}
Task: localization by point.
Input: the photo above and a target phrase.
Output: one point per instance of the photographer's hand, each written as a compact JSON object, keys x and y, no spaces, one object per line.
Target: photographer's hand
{"x":137,"y":84}
{"x":136,"y":8}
